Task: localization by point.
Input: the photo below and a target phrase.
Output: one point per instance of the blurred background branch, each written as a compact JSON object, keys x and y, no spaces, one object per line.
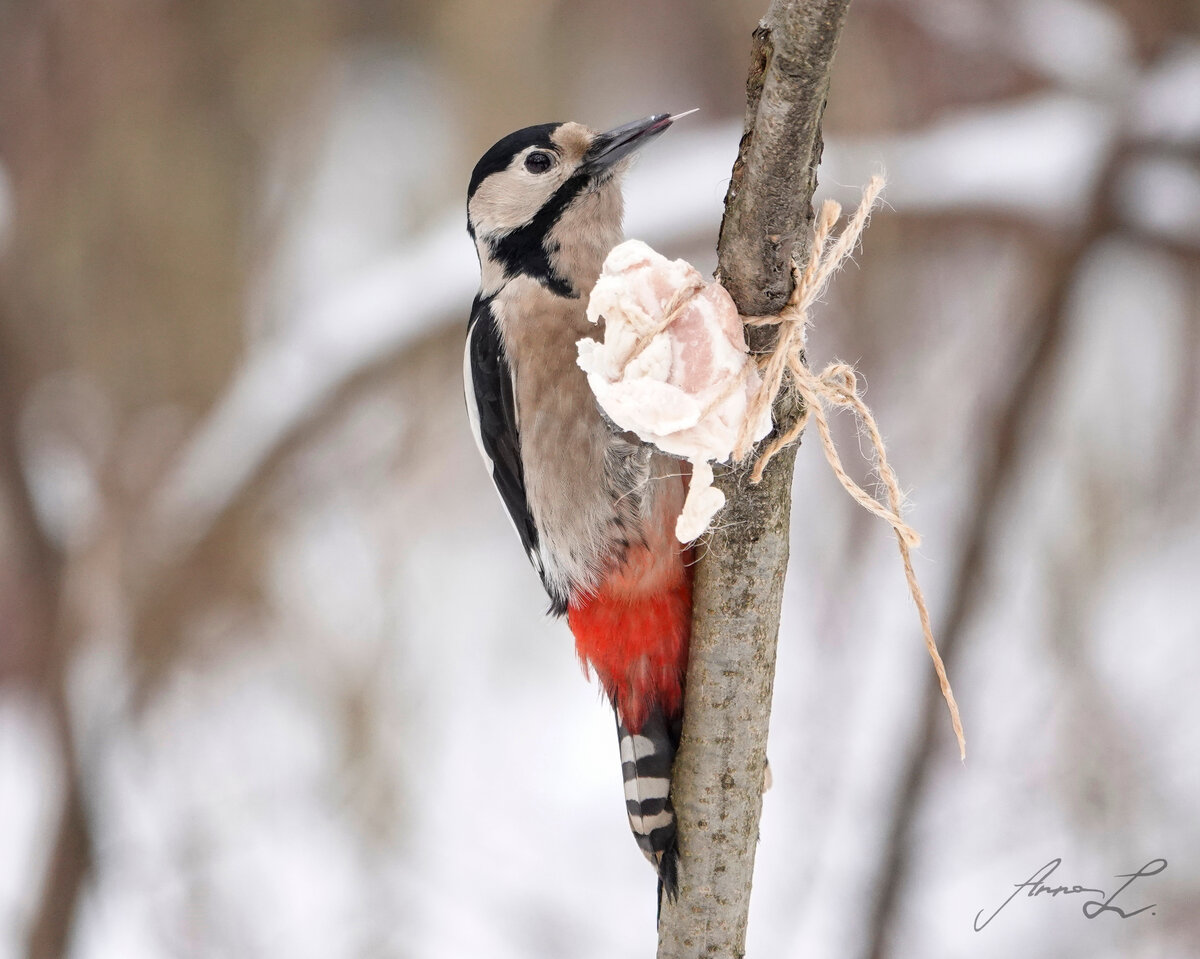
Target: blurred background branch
{"x":1015,"y":422}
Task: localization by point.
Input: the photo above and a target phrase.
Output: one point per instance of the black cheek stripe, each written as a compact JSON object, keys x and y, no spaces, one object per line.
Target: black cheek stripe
{"x":526,"y":250}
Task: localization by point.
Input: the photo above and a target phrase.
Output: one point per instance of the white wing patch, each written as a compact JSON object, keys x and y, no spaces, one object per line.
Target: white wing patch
{"x":477,"y":432}
{"x":473,"y":406}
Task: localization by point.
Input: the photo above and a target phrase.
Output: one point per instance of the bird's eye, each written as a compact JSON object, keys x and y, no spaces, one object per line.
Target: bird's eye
{"x":538,"y":162}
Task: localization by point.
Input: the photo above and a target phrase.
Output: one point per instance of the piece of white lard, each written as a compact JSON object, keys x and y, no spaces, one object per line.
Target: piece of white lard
{"x":689,"y":387}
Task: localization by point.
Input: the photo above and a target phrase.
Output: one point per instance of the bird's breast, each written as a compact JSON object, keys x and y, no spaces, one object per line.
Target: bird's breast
{"x":589,"y":490}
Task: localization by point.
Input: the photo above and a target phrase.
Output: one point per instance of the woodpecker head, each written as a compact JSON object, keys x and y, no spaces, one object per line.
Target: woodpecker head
{"x":545,"y":202}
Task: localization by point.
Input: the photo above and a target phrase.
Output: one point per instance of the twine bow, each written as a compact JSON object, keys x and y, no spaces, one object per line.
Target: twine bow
{"x":836,"y":387}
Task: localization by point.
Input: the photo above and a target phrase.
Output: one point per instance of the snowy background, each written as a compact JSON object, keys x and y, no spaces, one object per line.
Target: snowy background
{"x":274,"y":678}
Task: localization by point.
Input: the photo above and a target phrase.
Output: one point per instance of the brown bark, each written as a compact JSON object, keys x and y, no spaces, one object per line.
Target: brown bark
{"x":718,"y":776}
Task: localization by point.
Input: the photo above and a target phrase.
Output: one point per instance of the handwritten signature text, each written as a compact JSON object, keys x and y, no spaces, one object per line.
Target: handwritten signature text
{"x":1100,"y":903}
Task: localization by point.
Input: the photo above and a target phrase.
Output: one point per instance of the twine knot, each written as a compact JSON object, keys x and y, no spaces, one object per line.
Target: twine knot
{"x":841,"y":384}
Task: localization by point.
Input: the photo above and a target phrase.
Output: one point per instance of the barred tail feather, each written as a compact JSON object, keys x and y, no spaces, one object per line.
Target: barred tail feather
{"x":646,"y":759}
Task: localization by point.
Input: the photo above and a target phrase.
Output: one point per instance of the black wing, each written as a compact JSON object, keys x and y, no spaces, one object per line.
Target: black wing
{"x":493,"y":413}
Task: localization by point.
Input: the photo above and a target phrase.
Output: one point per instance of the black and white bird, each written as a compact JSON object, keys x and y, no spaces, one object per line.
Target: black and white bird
{"x":595,"y":509}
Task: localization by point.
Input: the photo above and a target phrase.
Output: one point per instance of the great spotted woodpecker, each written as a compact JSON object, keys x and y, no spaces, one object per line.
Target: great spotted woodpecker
{"x":595,"y":509}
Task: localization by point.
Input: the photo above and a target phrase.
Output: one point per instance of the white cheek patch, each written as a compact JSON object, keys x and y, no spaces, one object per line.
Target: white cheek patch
{"x":511,"y":198}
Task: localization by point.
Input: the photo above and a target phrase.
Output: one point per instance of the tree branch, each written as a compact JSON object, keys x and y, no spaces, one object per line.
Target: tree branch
{"x":718,"y":775}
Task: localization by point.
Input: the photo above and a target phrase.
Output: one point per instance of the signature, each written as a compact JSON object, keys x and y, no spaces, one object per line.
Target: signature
{"x":1036,"y":885}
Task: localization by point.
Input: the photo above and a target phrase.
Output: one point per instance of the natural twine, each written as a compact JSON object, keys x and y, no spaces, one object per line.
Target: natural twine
{"x":836,"y":386}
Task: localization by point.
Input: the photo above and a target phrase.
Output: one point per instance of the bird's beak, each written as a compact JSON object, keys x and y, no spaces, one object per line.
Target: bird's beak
{"x":613,"y":146}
